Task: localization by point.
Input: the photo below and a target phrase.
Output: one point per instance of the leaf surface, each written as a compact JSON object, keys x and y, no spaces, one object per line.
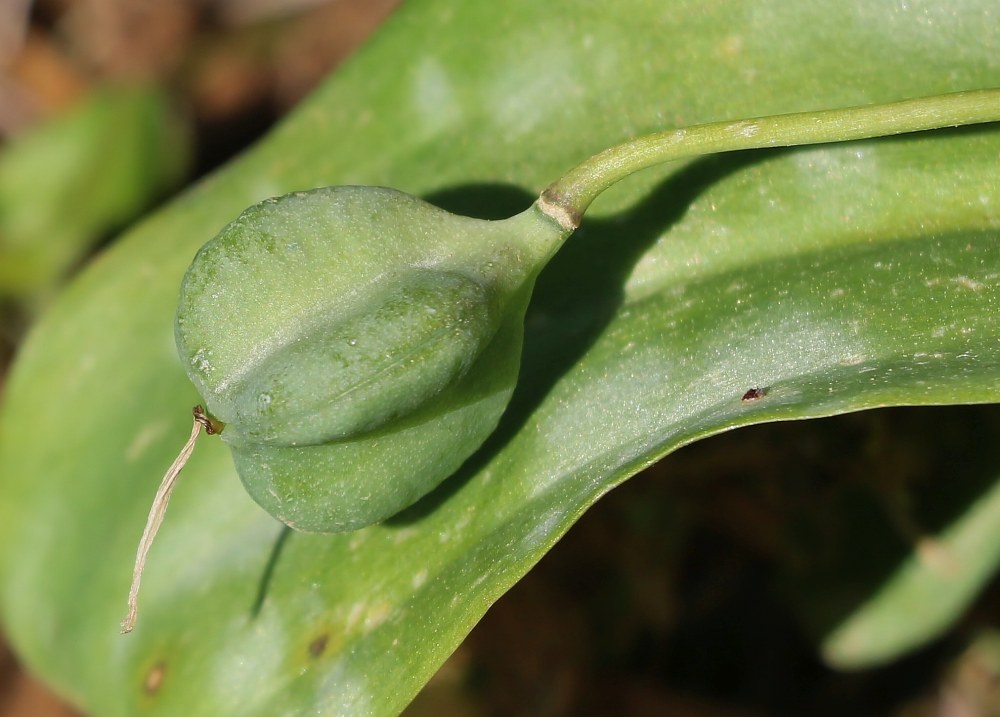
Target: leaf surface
{"x":833,"y":278}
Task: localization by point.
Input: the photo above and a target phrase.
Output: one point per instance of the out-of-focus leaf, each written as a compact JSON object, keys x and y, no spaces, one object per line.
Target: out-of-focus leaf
{"x":67,"y":182}
{"x":921,"y":598}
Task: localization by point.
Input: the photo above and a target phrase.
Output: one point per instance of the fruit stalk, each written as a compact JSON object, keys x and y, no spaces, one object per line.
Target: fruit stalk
{"x":566,"y":199}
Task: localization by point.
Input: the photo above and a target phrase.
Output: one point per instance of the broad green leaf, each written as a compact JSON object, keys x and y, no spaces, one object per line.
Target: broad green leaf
{"x":834,"y":278}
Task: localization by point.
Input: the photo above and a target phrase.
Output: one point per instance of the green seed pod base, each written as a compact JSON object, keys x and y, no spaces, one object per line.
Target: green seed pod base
{"x":342,"y":332}
{"x":349,"y":484}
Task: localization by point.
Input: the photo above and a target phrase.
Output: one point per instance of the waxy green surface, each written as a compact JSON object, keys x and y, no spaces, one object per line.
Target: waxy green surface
{"x":68,"y":181}
{"x":840,"y":278}
{"x":358,"y":344}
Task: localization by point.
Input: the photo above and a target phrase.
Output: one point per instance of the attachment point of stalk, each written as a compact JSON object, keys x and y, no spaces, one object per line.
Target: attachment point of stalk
{"x":211,"y":425}
{"x":554,"y":206}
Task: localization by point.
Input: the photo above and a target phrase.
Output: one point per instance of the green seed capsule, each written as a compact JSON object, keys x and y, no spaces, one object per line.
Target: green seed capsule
{"x":344,"y":376}
{"x":358,"y":343}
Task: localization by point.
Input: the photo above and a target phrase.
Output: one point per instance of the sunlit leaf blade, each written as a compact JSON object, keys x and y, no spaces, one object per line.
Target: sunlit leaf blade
{"x":832,"y":279}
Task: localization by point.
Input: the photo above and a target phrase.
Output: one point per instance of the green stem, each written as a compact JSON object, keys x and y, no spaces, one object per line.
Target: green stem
{"x":568,"y":198}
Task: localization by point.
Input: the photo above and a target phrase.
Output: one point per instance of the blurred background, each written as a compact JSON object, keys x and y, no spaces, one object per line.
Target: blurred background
{"x":700,"y":588}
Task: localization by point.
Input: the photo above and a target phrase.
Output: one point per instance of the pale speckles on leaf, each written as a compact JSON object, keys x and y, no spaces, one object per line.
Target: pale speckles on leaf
{"x":419,"y":579}
{"x":246,"y":652}
{"x":966,"y":282}
{"x":852,"y":360}
{"x":354,"y":616}
{"x":404,"y":535}
{"x":433,"y":95}
{"x":144,"y":438}
{"x":521,"y":98}
{"x":367,"y":616}
{"x":455,"y":530}
{"x":377,"y":614}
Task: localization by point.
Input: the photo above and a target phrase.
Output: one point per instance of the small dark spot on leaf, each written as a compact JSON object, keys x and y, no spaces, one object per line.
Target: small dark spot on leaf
{"x":317,"y":646}
{"x":754,"y":394}
{"x":154,"y":679}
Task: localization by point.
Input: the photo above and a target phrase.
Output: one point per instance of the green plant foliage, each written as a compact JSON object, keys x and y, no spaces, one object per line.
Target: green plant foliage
{"x":832,"y":279}
{"x":920,"y":599}
{"x":68,"y":181}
